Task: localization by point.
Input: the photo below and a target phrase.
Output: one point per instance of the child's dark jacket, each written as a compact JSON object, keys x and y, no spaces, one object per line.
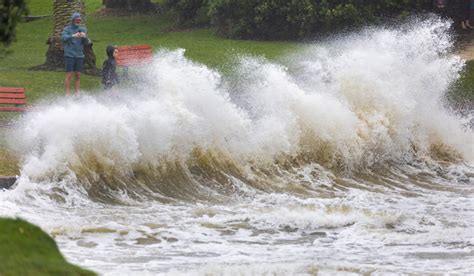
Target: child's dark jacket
{"x":109,"y":69}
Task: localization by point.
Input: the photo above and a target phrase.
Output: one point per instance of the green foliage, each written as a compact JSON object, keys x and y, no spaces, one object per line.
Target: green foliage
{"x":272,"y":19}
{"x":11,"y":12}
{"x":27,"y":250}
{"x":188,"y":12}
{"x":36,"y":7}
{"x":282,"y":19}
{"x":137,"y":5}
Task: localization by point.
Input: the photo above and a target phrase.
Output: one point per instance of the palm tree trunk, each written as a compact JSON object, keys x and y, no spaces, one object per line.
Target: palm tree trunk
{"x":62,"y":12}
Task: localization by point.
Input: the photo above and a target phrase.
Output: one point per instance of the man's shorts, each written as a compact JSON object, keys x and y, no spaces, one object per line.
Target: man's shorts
{"x":74,"y":64}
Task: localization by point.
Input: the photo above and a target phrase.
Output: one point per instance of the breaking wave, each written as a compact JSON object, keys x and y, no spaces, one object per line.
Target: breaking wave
{"x":357,"y":105}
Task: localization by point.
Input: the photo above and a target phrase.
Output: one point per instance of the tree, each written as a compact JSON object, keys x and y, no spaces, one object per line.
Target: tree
{"x":135,"y":5}
{"x":62,"y":11}
{"x":11,"y":11}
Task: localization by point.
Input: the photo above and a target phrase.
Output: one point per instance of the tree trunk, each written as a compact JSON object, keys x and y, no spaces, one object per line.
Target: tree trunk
{"x":135,"y":5}
{"x":63,"y":10}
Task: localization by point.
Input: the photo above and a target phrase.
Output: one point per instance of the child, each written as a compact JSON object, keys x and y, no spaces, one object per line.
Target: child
{"x":109,"y":72}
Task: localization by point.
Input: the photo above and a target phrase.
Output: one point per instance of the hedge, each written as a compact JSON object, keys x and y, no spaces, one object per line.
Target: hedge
{"x":295,"y":19}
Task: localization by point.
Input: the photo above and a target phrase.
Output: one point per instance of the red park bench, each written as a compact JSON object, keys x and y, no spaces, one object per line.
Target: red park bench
{"x":133,"y":55}
{"x":12,"y":99}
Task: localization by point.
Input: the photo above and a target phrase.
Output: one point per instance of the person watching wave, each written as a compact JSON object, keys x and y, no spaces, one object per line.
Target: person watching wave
{"x":74,"y":38}
{"x":109,"y":71}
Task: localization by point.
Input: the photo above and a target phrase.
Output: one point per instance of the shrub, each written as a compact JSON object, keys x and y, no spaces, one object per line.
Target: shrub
{"x":290,"y":19}
{"x":188,"y":12}
{"x":11,"y":12}
{"x":280,"y":19}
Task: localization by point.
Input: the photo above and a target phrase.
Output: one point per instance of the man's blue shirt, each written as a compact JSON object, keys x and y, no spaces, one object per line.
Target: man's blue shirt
{"x":73,"y":46}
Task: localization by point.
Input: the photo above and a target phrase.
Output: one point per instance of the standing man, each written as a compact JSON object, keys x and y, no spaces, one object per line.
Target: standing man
{"x":74,"y":37}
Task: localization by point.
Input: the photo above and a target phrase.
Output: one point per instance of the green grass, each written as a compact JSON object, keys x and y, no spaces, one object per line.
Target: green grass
{"x":463,"y":90}
{"x":26,"y":250}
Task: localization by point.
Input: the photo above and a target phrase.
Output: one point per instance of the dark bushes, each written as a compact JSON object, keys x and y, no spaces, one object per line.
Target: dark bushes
{"x":11,"y":12}
{"x":188,"y":12}
{"x":270,"y":19}
{"x":291,"y":19}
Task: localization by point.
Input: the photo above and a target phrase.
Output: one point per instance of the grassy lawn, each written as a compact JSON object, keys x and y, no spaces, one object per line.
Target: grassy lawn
{"x":464,"y":89}
{"x":27,"y":250}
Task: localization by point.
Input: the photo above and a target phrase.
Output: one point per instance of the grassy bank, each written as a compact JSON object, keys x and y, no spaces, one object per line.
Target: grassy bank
{"x":26,"y":250}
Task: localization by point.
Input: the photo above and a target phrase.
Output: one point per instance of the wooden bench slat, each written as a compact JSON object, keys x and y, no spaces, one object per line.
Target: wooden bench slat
{"x":12,"y":90}
{"x":12,"y":109}
{"x":134,"y":51}
{"x":128,"y":49}
{"x":141,"y":46}
{"x":12,"y":101}
{"x":122,"y":55}
{"x":12,"y":96}
{"x":126,"y":55}
{"x":134,"y":59}
{"x":134,"y":54}
{"x":132,"y":62}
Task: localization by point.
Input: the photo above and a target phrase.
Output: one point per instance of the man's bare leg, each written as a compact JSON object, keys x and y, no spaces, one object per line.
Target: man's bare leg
{"x":77,"y":83}
{"x":67,"y":83}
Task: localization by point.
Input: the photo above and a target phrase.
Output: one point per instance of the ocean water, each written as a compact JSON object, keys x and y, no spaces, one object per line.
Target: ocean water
{"x":339,"y":158}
